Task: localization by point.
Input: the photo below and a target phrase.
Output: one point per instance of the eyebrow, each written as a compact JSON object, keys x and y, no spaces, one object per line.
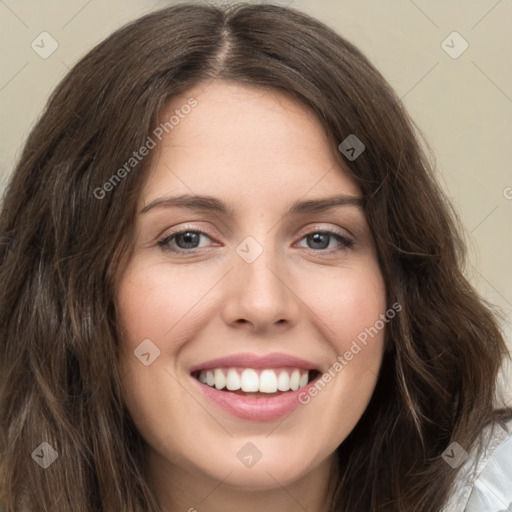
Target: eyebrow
{"x":211,"y":204}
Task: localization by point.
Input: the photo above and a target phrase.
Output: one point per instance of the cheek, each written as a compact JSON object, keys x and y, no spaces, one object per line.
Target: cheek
{"x":148,"y":308}
{"x":349,"y":310}
{"x":161,"y":305}
{"x":347,"y":302}
{"x":169,"y":307}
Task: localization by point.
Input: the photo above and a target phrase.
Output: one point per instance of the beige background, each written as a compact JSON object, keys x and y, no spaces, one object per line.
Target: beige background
{"x":463,"y":105}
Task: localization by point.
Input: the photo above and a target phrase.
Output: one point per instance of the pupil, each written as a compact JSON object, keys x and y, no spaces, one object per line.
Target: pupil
{"x":189,"y":238}
{"x":316,"y":238}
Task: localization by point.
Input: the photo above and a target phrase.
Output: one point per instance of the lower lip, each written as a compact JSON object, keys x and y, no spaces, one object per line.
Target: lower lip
{"x":251,"y":408}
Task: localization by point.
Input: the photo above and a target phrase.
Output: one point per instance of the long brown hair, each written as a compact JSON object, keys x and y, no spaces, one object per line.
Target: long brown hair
{"x":63,"y":250}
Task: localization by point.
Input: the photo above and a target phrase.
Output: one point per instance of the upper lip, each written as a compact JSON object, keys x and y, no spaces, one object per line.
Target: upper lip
{"x":247,"y":360}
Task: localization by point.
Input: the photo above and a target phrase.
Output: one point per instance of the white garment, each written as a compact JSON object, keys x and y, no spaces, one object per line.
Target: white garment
{"x":485,"y":485}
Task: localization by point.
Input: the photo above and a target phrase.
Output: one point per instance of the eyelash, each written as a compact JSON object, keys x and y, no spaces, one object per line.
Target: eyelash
{"x":164,"y":243}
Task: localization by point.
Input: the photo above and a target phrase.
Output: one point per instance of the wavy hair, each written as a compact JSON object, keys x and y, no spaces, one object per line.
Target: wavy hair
{"x":63,"y":252}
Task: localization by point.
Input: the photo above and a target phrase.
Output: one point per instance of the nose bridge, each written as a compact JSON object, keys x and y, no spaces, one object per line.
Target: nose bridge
{"x":256,"y":264}
{"x":258,"y":291}
{"x":256,"y":259}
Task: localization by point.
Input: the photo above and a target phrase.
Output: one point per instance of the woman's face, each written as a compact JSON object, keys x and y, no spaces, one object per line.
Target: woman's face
{"x":264,"y":283}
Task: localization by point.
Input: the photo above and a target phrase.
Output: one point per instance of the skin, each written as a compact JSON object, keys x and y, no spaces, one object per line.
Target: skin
{"x":258,"y":151}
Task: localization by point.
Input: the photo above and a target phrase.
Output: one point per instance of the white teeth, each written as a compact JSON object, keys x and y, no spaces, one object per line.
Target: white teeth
{"x":268,"y":381}
{"x":249,"y":380}
{"x":232,"y":380}
{"x":295,"y":380}
{"x":253,"y":381}
{"x":283,"y":381}
{"x":220,"y":379}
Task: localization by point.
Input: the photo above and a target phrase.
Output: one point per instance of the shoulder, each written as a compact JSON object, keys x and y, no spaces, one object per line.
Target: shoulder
{"x":484,"y":484}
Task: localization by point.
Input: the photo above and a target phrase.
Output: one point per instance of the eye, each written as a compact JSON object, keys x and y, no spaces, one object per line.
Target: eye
{"x":186,"y":240}
{"x":322,"y":240}
{"x":189,"y":240}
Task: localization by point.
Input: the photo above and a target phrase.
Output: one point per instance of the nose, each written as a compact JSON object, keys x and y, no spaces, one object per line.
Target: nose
{"x":259,"y":295}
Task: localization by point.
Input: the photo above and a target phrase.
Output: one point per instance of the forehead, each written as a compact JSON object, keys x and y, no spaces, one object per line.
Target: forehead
{"x":246,"y":142}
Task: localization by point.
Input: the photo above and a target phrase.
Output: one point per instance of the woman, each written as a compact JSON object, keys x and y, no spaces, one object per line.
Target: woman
{"x":230,"y":282}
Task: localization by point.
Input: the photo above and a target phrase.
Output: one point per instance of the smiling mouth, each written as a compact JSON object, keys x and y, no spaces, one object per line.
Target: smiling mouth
{"x":258,"y":383}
